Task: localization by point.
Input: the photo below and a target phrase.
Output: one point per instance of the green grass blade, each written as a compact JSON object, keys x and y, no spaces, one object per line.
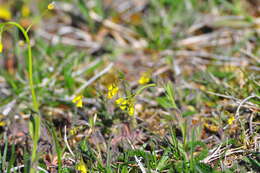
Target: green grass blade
{"x":58,"y":149}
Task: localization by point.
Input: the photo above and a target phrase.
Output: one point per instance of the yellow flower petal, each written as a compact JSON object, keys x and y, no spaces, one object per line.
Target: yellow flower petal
{"x":144,"y":79}
{"x":123,"y":107}
{"x":112,"y":90}
{"x":5,"y":13}
{"x":79,"y":104}
{"x":131,"y":110}
{"x":51,"y":6}
{"x":1,"y":47}
{"x":81,"y":167}
{"x":126,"y":104}
{"x":119,"y":101}
{"x":73,"y":131}
{"x":110,"y":87}
{"x":78,"y":100}
{"x":2,"y":124}
{"x":231,"y":120}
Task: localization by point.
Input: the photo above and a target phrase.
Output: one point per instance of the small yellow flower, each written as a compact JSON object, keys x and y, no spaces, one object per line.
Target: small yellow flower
{"x":81,"y":167}
{"x":131,"y":110}
{"x":122,"y":103}
{"x":25,"y":11}
{"x":51,"y":6}
{"x":74,"y":131}
{"x":126,"y":105}
{"x":5,"y":13}
{"x":112,"y":90}
{"x":119,"y":101}
{"x":144,"y":79}
{"x":2,"y":124}
{"x":231,"y":120}
{"x":78,"y":100}
{"x":1,"y":47}
{"x":123,"y":107}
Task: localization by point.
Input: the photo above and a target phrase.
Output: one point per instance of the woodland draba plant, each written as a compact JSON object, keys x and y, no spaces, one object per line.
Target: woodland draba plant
{"x":127,"y":102}
{"x":35,"y":119}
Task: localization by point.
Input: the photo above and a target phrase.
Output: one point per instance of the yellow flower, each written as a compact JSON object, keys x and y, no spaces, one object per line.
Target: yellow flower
{"x":126,"y":105}
{"x":25,"y":11}
{"x":122,"y":103}
{"x":131,"y":110}
{"x":2,"y":124}
{"x":5,"y":13}
{"x":81,"y":167}
{"x":78,"y":100}
{"x":74,"y":131}
{"x":1,"y":47}
{"x":231,"y":120}
{"x":51,"y":6}
{"x":112,"y":90}
{"x":119,"y":101}
{"x":2,"y":120}
{"x":144,"y":79}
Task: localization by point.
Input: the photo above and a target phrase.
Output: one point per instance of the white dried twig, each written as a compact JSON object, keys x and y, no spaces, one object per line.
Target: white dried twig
{"x":66,"y":141}
{"x":136,"y":159}
{"x":87,"y":83}
{"x":81,"y":71}
{"x":244,"y":101}
{"x":213,"y":155}
{"x":14,"y":169}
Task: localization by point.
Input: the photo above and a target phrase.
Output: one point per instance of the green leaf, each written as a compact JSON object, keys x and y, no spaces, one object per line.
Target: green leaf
{"x":162,"y":163}
{"x":12,"y":160}
{"x":170,"y":94}
{"x":188,"y":113}
{"x":203,"y":168}
{"x":58,"y":149}
{"x":164,"y":102}
{"x":140,"y":90}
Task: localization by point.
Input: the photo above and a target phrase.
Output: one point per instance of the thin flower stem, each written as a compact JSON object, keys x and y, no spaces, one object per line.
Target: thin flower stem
{"x":30,"y":64}
{"x":35,"y":128}
{"x":139,"y":91}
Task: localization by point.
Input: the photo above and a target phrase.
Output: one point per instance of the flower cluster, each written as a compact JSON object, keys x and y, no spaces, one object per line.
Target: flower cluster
{"x":144,"y":79}
{"x":51,"y":6}
{"x":1,"y":47}
{"x":5,"y":13}
{"x":81,"y":167}
{"x":231,"y":120}
{"x":126,"y":104}
{"x":112,"y":90}
{"x":75,"y":130}
{"x":2,"y":122}
{"x":78,"y":100}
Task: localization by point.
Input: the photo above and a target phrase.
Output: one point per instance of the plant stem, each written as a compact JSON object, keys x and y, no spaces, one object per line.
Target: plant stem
{"x":30,"y":64}
{"x":35,"y":128}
